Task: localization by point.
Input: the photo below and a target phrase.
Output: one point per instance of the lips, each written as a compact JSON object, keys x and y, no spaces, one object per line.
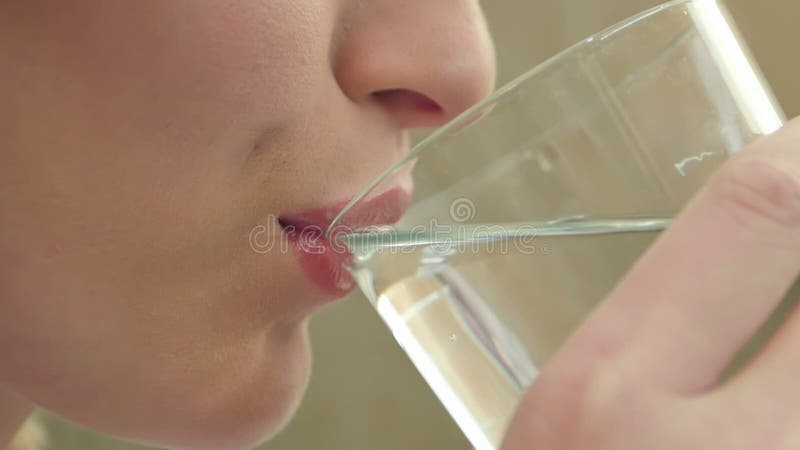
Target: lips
{"x":323,"y":258}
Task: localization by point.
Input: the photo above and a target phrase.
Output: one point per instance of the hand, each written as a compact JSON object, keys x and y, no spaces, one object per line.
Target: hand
{"x":643,"y":372}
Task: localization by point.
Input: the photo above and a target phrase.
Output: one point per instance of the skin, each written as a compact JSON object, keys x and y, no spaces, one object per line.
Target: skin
{"x":141,"y":142}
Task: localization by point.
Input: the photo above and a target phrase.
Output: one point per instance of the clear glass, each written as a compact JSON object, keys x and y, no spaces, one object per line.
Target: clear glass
{"x":530,"y":207}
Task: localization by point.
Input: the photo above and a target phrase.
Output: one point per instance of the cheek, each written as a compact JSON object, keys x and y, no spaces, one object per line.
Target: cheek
{"x":156,"y":105}
{"x":137,"y":146}
{"x":222,"y":65}
{"x":193,"y":70}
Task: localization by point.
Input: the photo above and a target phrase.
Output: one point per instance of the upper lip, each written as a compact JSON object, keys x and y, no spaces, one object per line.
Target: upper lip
{"x":385,"y":208}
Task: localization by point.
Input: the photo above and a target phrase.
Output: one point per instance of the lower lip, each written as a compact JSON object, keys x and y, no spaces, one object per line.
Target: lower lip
{"x":324,"y":262}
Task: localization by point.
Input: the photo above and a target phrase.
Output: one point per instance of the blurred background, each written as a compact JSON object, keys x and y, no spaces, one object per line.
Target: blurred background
{"x":364,"y":393}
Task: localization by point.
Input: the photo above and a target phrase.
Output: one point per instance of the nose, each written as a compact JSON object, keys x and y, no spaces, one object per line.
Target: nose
{"x":422,"y":61}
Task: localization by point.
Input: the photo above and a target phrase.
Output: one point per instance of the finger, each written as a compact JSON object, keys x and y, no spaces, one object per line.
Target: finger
{"x":714,"y":277}
{"x":769,"y":383}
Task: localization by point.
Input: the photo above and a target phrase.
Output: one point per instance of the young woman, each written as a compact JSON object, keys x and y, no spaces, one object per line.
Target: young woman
{"x":141,"y":143}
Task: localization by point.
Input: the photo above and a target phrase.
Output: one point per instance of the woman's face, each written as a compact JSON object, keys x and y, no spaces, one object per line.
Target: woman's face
{"x":142,"y":144}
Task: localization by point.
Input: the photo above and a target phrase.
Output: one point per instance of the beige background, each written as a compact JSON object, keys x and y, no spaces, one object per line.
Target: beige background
{"x":364,"y":393}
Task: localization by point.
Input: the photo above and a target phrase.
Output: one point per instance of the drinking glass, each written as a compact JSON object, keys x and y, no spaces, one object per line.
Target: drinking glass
{"x":529,"y":207}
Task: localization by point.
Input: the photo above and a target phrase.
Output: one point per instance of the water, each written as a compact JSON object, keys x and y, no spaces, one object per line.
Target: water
{"x":479,"y":309}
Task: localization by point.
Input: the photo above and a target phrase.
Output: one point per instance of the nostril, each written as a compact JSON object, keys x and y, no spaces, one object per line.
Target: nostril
{"x":407,"y":99}
{"x":410,"y":107}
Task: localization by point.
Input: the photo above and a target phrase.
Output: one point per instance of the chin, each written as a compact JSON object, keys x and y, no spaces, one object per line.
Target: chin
{"x":241,"y":408}
{"x":257,"y":411}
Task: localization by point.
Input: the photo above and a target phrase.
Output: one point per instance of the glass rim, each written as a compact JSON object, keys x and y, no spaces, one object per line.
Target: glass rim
{"x":464,"y":119}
